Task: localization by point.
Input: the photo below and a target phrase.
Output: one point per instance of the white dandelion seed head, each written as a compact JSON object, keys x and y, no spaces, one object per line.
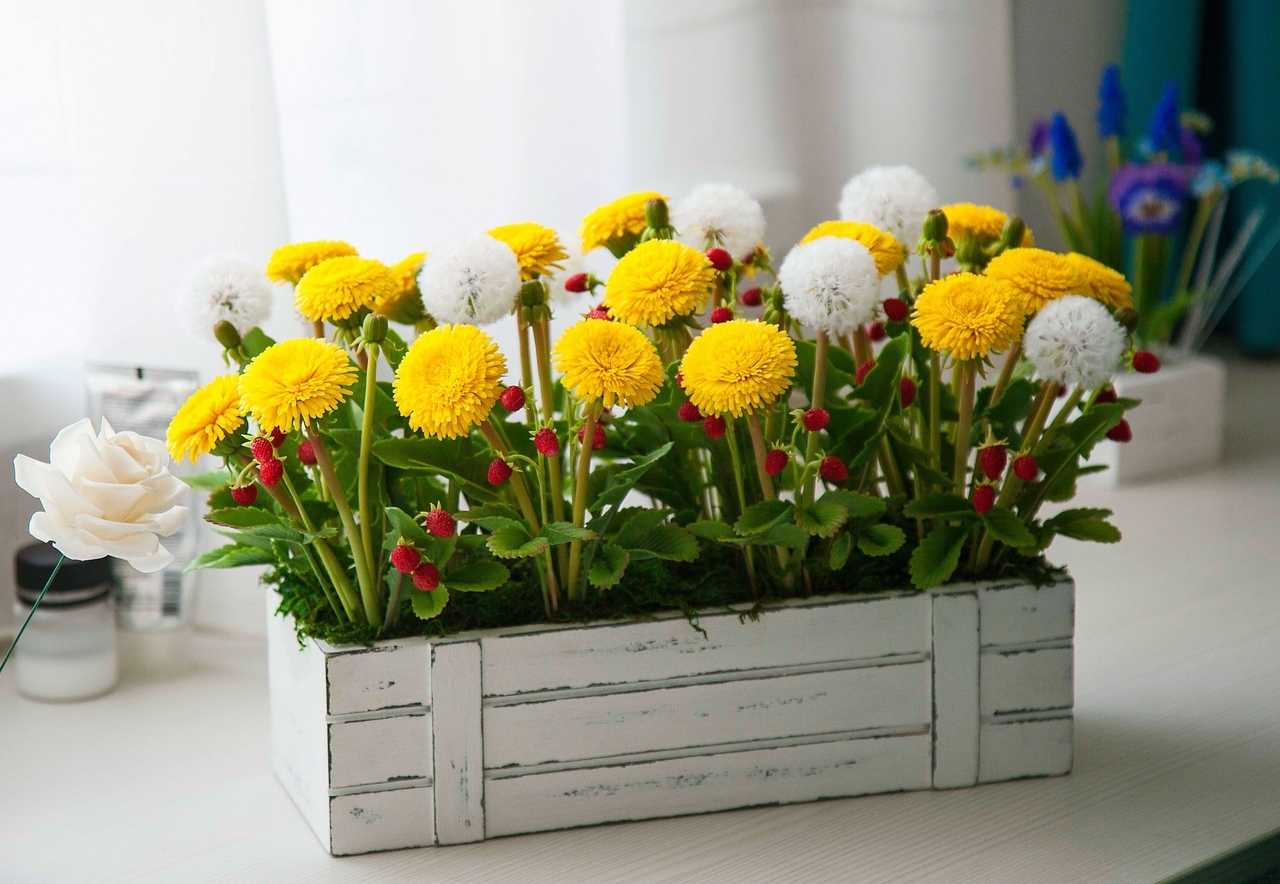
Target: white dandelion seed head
{"x":573,"y":265}
{"x":474,"y":281}
{"x":224,"y":287}
{"x":893,"y":198}
{"x":719,"y":215}
{"x":831,"y":284}
{"x":1074,"y":340}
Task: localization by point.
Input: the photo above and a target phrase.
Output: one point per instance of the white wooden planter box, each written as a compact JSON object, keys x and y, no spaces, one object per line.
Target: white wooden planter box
{"x":420,"y":742}
{"x":1178,"y":427}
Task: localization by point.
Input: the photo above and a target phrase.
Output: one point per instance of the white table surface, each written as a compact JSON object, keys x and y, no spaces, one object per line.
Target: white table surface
{"x":1177,"y":747}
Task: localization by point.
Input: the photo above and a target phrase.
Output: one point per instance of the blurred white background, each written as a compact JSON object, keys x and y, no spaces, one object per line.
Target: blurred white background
{"x":138,"y":136}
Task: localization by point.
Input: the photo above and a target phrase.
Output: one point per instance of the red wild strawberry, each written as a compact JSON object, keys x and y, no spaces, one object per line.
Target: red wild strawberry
{"x":833,"y":470}
{"x":720,"y":259}
{"x":1146,"y":362}
{"x":721,"y":314}
{"x":1062,"y":391}
{"x":598,"y":439}
{"x":714,"y":426}
{"x":775,"y":461}
{"x":1121,"y":432}
{"x":863,"y":369}
{"x":244,"y":495}
{"x":948,"y":248}
{"x":440,"y":523}
{"x":546,"y":441}
{"x":512,"y":398}
{"x":262,"y":449}
{"x":307,"y":452}
{"x":1105,"y":395}
{"x":599,"y":313}
{"x":271,"y":472}
{"x":576,"y":283}
{"x":875,"y":331}
{"x":815,"y":420}
{"x":896,"y":309}
{"x":499,"y":471}
{"x":993,"y":459}
{"x":680,"y":379}
{"x":277,"y":437}
{"x":750,"y":297}
{"x":405,"y":558}
{"x":426,"y":577}
{"x":1026,"y":468}
{"x":688,"y":412}
{"x":984,"y":498}
{"x":907,"y":391}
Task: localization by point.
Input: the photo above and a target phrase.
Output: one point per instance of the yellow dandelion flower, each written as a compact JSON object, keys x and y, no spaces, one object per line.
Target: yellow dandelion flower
{"x":657,"y":281}
{"x":448,"y":381}
{"x":211,"y":414}
{"x":1105,"y":284}
{"x":295,"y":382}
{"x":404,"y":302}
{"x":738,"y":366}
{"x":616,"y":222}
{"x":968,"y":316}
{"x":887,"y":251}
{"x":290,"y":263}
{"x":609,"y":362}
{"x":980,"y":223}
{"x":1037,"y":276}
{"x":538,"y":249}
{"x":334,"y":289}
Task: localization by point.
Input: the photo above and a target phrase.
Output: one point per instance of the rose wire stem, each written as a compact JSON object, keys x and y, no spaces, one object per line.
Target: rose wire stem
{"x":580,"y":495}
{"x":368,"y":591}
{"x":56,"y":568}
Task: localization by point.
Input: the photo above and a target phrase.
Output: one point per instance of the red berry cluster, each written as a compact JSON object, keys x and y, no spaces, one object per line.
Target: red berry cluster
{"x":270,"y":467}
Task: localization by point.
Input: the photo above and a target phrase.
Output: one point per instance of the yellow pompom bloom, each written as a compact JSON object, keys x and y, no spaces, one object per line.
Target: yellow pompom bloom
{"x":980,"y":223}
{"x":296,"y":381}
{"x":1106,"y":285}
{"x":968,"y":316}
{"x":537,"y":248}
{"x":738,"y":366}
{"x":448,"y":381}
{"x":608,"y":362}
{"x":616,"y":221}
{"x":211,"y":414}
{"x":887,"y":251}
{"x":657,"y":281}
{"x":404,"y":302}
{"x":334,"y":289}
{"x":290,"y":263}
{"x":1037,"y":276}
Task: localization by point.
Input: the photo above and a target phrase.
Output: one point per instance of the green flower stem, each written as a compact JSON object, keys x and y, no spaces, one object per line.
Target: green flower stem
{"x":1199,"y":223}
{"x":527,"y":509}
{"x":1011,"y":360}
{"x":368,"y":591}
{"x":935,"y":409}
{"x":904,"y":282}
{"x":580,"y":496}
{"x":56,"y":568}
{"x":393,"y":606}
{"x":542,"y":350}
{"x":735,"y":455}
{"x":964,"y":425}
{"x":366,"y":442}
{"x":822,"y":346}
{"x":1064,"y":413}
{"x":1077,"y":206}
{"x":758,"y":447}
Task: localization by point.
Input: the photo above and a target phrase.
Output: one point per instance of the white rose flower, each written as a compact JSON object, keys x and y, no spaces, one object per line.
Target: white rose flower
{"x":104,"y":494}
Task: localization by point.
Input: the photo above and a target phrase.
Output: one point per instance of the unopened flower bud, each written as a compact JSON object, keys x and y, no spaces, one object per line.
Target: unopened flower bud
{"x":1014,"y":230}
{"x":1128,"y":317}
{"x":375,"y":328}
{"x":532,"y":294}
{"x":655,"y":215}
{"x":935,"y":225}
{"x":227,"y":335}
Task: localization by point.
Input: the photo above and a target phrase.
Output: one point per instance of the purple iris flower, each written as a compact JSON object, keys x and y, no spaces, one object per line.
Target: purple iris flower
{"x":1149,"y":196}
{"x":1039,"y":138}
{"x":1192,"y":147}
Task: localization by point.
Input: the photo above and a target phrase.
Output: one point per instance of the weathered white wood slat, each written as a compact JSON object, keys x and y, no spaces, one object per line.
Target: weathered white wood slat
{"x":458,"y":776}
{"x":386,"y":820}
{"x":955,"y":690}
{"x":630,"y":652}
{"x":388,"y":675}
{"x":700,"y":715}
{"x":1018,"y":613}
{"x":380,"y":750}
{"x":1015,"y":748}
{"x":1026,"y":680}
{"x":538,"y":802}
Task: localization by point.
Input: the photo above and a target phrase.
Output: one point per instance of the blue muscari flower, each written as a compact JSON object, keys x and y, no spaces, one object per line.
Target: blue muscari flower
{"x":1211,"y":176}
{"x":1111,"y":104}
{"x":1165,"y":133}
{"x":1066,"y":155}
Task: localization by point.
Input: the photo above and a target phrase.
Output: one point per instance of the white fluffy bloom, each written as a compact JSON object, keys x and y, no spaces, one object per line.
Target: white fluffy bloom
{"x":719,"y":215}
{"x":224,"y":287}
{"x":474,"y":281}
{"x":1073,"y":340}
{"x":893,"y":198}
{"x":831,"y":284}
{"x":571,"y":266}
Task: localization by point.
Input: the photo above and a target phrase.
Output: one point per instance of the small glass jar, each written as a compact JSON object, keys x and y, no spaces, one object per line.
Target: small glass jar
{"x":68,"y":651}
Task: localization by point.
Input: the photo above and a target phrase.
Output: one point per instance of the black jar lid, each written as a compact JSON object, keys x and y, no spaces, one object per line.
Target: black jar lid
{"x":76,"y":583}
